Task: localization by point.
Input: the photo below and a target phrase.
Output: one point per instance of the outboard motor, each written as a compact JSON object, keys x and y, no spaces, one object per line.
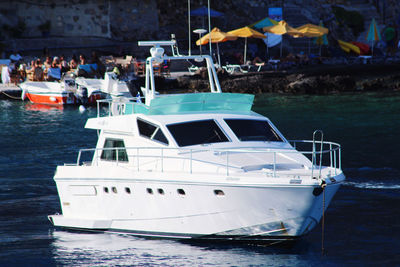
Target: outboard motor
{"x":82,"y":94}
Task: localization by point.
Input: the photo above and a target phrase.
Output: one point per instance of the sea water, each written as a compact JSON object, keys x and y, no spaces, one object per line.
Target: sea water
{"x":362,"y":225}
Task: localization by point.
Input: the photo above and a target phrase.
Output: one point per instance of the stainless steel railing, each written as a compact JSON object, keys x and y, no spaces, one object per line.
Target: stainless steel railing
{"x":136,"y":156}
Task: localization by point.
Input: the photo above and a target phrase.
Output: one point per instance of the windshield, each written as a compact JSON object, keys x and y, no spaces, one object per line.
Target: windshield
{"x":253,"y":130}
{"x":197,"y":133}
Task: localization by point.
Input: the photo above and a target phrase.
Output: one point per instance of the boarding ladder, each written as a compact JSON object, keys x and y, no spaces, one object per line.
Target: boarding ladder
{"x":314,"y":152}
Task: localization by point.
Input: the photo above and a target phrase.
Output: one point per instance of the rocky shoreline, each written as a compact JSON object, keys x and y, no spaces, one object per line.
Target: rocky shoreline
{"x":317,"y":79}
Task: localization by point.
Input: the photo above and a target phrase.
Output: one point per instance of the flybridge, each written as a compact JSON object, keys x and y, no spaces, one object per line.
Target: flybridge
{"x":183,"y":104}
{"x":158,"y":56}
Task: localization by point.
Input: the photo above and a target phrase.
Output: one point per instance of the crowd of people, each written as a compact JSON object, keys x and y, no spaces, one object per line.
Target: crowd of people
{"x":53,"y":68}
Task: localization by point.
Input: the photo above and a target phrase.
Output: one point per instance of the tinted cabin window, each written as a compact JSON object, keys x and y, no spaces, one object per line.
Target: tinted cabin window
{"x":197,"y":132}
{"x":151,"y":131}
{"x":110,"y":153}
{"x":253,"y":130}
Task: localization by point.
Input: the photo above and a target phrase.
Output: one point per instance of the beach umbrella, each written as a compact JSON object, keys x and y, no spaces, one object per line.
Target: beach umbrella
{"x":283,"y":28}
{"x":265,"y":22}
{"x":373,"y":34}
{"x":311,"y":30}
{"x":247,"y":32}
{"x":216,"y":36}
{"x":321,"y":40}
{"x":203,"y":11}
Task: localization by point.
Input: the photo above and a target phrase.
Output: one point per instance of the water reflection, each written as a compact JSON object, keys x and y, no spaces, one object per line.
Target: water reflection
{"x":88,"y":249}
{"x":43,"y":107}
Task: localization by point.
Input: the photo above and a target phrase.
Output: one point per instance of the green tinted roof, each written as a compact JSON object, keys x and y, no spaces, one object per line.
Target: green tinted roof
{"x":193,"y":103}
{"x":200,"y":102}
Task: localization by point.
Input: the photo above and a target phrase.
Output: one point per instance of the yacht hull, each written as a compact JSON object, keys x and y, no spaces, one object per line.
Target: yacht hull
{"x":192,"y":209}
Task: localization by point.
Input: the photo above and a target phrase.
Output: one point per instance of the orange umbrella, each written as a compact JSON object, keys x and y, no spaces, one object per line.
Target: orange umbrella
{"x":217,"y":36}
{"x":283,"y":28}
{"x":311,"y":30}
{"x":247,"y":32}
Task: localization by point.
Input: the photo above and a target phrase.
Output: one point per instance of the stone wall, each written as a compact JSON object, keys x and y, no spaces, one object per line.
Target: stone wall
{"x":120,"y":19}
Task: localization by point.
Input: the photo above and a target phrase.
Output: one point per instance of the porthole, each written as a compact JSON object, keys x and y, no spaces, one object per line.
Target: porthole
{"x":105,"y":189}
{"x":181,"y":191}
{"x":127,"y":190}
{"x":150,"y":191}
{"x":160,"y":191}
{"x":218,"y":192}
{"x":114,"y":189}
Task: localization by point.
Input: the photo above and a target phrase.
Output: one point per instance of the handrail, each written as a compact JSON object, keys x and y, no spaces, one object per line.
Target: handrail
{"x":188,"y":154}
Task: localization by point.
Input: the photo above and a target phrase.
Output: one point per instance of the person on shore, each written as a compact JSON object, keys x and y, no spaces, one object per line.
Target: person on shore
{"x":47,"y":63}
{"x":35,"y":73}
{"x":73,"y":63}
{"x":63,"y":64}
{"x":15,"y":57}
{"x":97,"y":66}
{"x":54,"y":72}
{"x":82,"y":59}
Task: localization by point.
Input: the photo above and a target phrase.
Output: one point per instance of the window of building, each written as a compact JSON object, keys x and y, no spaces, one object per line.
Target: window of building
{"x":105,"y":189}
{"x":127,"y":190}
{"x":112,"y":148}
{"x":114,"y":189}
{"x":253,"y":130}
{"x":197,"y":133}
{"x":151,"y":131}
{"x":149,"y":190}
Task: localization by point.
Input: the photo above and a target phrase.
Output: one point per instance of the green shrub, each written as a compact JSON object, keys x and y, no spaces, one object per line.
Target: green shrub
{"x":353,"y":19}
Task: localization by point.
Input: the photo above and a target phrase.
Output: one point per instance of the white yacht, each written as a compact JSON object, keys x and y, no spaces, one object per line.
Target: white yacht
{"x":196,"y":165}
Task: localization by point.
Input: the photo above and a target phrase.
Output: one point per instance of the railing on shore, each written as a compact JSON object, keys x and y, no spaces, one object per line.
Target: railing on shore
{"x":135,"y":157}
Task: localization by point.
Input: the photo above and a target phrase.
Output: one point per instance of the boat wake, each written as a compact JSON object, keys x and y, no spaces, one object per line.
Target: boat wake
{"x":371,"y":169}
{"x":372,"y":185}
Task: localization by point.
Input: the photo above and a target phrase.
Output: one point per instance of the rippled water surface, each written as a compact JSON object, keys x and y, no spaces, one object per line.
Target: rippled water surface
{"x":362,"y":223}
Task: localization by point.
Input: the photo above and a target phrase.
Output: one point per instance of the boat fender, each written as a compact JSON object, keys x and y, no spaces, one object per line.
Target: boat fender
{"x":318,"y":190}
{"x":23,"y":95}
{"x":82,"y":108}
{"x":53,"y":99}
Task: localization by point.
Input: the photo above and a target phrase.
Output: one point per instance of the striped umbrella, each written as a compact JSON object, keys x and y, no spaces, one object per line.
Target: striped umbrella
{"x":373,"y":34}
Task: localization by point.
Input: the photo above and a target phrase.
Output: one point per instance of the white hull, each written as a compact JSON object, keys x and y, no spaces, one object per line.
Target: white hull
{"x":245,"y":211}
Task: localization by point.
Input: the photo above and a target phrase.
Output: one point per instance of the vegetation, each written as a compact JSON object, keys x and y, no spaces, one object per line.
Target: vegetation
{"x":352,"y":19}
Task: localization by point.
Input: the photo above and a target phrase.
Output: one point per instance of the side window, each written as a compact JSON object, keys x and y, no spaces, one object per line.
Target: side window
{"x":151,"y":131}
{"x":112,"y":148}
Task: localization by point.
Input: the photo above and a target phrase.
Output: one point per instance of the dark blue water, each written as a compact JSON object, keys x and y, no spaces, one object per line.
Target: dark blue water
{"x":362,"y":223}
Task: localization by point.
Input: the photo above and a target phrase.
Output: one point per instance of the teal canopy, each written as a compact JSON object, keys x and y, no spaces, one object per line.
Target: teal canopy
{"x":194,"y":103}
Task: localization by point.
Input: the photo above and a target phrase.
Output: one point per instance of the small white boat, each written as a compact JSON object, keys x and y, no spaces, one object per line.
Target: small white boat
{"x":200,"y":165}
{"x":110,"y":85}
{"x":63,"y":92}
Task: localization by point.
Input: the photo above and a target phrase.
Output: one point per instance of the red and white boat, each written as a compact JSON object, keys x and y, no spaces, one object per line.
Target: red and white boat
{"x":64,"y":92}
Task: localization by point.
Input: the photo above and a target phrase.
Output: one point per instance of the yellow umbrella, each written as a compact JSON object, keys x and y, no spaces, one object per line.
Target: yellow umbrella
{"x":311,"y":30}
{"x":246,"y":32}
{"x":283,"y":28}
{"x":217,"y":36}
